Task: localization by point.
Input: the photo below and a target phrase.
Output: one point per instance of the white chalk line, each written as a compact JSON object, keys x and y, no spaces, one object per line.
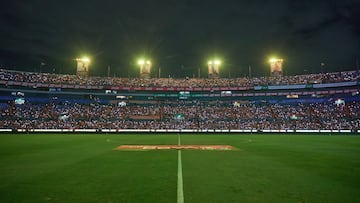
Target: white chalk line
{"x":180,"y":186}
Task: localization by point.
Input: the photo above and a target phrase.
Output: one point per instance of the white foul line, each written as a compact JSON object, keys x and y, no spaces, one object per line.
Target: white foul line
{"x":180,"y":188}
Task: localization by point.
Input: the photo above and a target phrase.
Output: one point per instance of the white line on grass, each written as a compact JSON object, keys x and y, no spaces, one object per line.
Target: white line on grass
{"x":179,"y":141}
{"x":180,"y":187}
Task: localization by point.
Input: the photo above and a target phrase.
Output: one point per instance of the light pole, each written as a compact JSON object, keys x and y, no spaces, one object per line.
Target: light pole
{"x":213,"y":68}
{"x":276,"y":66}
{"x":82,"y":66}
{"x":322,"y":65}
{"x":145,"y":68}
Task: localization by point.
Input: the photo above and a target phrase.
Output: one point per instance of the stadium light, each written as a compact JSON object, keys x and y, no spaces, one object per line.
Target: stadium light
{"x":275,"y":60}
{"x":213,"y":68}
{"x":141,"y":62}
{"x":272,"y":60}
{"x":145,"y":67}
{"x":214,"y":62}
{"x":276,"y":66}
{"x":85,"y":59}
{"x":82,"y":66}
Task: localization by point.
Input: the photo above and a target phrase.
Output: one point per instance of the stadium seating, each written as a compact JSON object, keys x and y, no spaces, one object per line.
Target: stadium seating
{"x":90,"y":109}
{"x":222,"y":115}
{"x":31,"y":77}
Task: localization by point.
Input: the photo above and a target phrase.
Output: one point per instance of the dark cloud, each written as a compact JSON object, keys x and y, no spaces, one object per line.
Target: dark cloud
{"x":180,"y":35}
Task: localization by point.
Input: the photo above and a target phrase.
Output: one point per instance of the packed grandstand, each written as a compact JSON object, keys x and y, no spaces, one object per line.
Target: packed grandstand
{"x":324,"y":101}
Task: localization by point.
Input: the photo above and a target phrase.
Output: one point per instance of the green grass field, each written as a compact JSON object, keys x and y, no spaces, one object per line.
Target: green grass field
{"x":266,"y":168}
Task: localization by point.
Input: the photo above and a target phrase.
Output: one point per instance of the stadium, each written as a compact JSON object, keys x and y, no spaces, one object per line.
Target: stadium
{"x":77,"y":138}
{"x":179,"y":101}
{"x":324,"y":102}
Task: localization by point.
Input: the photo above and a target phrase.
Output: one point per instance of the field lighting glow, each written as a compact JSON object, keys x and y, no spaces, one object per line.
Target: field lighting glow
{"x":84,"y":59}
{"x":214,"y":62}
{"x":274,"y":60}
{"x":141,"y":61}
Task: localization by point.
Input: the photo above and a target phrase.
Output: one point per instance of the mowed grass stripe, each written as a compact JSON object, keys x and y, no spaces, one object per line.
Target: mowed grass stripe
{"x":266,"y":168}
{"x":270,"y":168}
{"x":86,"y":169}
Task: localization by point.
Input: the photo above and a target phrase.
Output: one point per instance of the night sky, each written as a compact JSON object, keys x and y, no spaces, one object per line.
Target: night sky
{"x":180,"y":36}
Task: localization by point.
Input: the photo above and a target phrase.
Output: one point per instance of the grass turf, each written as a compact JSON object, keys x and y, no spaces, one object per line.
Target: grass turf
{"x":266,"y":168}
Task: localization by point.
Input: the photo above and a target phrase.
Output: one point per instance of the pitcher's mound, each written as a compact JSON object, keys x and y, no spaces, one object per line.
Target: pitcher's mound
{"x":177,"y":147}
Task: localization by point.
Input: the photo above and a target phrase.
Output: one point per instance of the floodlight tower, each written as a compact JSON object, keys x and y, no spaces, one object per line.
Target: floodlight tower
{"x":276,"y":66}
{"x":82,"y":66}
{"x":213,"y":68}
{"x":145,"y":68}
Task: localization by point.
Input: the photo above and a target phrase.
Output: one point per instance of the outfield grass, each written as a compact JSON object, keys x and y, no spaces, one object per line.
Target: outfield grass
{"x":266,"y":168}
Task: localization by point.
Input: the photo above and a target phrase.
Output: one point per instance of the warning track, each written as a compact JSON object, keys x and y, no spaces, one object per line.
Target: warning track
{"x":176,"y":147}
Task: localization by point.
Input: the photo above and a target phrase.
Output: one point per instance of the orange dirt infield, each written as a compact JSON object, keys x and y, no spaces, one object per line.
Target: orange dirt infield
{"x":177,"y":147}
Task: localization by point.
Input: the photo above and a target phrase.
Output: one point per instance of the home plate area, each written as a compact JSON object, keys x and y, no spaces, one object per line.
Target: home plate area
{"x":176,"y":147}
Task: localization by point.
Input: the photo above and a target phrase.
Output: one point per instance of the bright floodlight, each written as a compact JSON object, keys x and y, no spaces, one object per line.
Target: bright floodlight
{"x":275,"y":60}
{"x":145,"y":67}
{"x":141,"y":62}
{"x":214,"y":62}
{"x":276,"y":66}
{"x":213,"y":68}
{"x":85,"y":59}
{"x":82,"y":66}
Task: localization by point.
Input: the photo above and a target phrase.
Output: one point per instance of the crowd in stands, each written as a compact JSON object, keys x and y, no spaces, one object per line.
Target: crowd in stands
{"x":197,"y":115}
{"x":32,"y":77}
